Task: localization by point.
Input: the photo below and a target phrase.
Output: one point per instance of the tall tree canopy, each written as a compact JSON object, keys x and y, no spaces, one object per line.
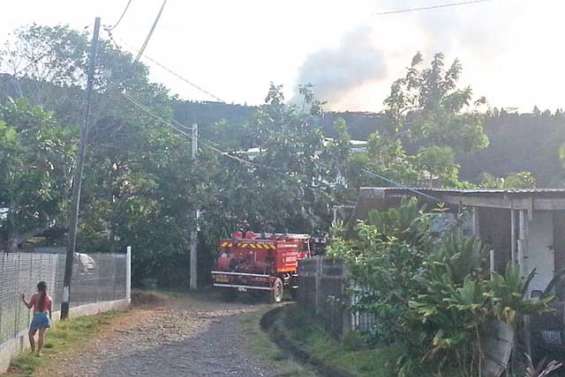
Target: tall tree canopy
{"x":36,"y":153}
{"x":274,"y":167}
{"x":430,"y":121}
{"x":141,"y":185}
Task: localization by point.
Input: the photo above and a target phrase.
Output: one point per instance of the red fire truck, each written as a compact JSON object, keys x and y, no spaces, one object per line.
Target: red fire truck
{"x":260,"y":262}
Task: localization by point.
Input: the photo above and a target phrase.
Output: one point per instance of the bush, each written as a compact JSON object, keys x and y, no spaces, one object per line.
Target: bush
{"x":430,"y":295}
{"x":354,"y":341}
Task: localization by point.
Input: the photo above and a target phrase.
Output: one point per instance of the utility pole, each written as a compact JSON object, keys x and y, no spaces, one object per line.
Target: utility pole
{"x":194,"y":232}
{"x":77,"y":179}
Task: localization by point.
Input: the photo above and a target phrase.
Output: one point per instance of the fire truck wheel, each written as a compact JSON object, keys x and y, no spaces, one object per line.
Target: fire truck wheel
{"x":278,"y":291}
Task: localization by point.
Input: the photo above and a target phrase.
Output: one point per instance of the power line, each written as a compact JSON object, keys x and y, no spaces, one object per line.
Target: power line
{"x":431,"y":7}
{"x":164,"y":67}
{"x":184,"y":133}
{"x":150,"y":113}
{"x":177,"y":75}
{"x":148,"y":38}
{"x":181,"y":128}
{"x":396,"y":184}
{"x":122,"y":16}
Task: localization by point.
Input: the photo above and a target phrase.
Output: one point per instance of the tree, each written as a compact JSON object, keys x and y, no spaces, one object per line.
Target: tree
{"x":430,"y":294}
{"x":36,"y":155}
{"x":141,"y":184}
{"x":389,"y":157}
{"x":292,"y":182}
{"x":438,"y":163}
{"x":428,"y":126}
{"x":521,"y":180}
{"x":428,"y":107}
{"x":131,"y":155}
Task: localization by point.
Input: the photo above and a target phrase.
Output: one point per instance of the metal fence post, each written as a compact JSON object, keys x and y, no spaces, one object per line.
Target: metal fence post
{"x":318,"y":272}
{"x":30,"y":277}
{"x":347,"y":302}
{"x":20,"y":272}
{"x":17,"y":307}
{"x":128,"y":274}
{"x":99,"y":261}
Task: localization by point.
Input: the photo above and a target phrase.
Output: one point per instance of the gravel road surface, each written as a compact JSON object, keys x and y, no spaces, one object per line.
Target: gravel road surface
{"x":188,"y":336}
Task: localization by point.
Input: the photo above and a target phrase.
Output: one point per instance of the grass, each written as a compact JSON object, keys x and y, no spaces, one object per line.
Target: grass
{"x":63,"y":336}
{"x":259,"y":344}
{"x":352,"y":355}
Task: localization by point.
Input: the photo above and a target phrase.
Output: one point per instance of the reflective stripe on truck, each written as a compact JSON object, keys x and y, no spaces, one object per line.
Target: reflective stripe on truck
{"x":250,"y":287}
{"x":239,"y":274}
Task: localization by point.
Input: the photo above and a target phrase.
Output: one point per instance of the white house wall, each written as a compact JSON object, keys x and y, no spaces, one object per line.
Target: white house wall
{"x":540,"y":254}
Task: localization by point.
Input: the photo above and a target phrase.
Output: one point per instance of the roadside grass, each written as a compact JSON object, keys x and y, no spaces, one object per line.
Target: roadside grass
{"x":352,"y":355}
{"x":63,"y":336}
{"x":259,"y":344}
{"x":141,"y":297}
{"x":155,"y":296}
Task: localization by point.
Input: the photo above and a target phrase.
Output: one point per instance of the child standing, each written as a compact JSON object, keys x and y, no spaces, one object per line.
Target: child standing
{"x":42,"y":305}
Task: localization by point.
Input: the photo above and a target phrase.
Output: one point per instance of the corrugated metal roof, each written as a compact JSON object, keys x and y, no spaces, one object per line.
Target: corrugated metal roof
{"x":552,"y":199}
{"x":468,"y":191}
{"x":451,"y":194}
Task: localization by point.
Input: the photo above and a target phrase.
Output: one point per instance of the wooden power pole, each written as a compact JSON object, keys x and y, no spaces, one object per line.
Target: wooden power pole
{"x":194,"y":232}
{"x":77,"y":179}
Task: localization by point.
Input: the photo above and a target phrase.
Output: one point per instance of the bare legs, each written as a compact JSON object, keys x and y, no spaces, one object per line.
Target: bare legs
{"x":40,"y":340}
{"x":31,"y":335}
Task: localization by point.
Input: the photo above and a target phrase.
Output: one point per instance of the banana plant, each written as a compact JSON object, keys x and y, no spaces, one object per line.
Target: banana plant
{"x":507,"y":295}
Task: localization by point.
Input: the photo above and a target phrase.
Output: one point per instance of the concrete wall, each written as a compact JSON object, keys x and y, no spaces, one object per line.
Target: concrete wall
{"x":540,"y":252}
{"x":12,"y":347}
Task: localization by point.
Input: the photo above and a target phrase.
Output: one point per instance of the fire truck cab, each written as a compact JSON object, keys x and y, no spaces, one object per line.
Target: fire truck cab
{"x":260,"y":262}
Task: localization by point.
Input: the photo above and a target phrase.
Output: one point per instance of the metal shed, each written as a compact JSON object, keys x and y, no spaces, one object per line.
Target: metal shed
{"x":525,"y":227}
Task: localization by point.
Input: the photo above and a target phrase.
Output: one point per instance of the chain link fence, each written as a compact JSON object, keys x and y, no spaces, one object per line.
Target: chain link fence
{"x":97,"y":277}
{"x":324,"y":289}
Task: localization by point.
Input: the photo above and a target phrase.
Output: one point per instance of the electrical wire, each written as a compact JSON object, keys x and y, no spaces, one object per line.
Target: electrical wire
{"x":396,"y":184}
{"x":182,"y":131}
{"x":181,"y":128}
{"x":148,"y":38}
{"x":149,"y":112}
{"x":113,"y":38}
{"x":122,"y":16}
{"x":431,"y":7}
{"x":184,"y":79}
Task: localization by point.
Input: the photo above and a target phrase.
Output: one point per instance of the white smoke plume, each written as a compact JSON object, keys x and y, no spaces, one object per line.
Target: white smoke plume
{"x":335,"y":72}
{"x":358,"y":74}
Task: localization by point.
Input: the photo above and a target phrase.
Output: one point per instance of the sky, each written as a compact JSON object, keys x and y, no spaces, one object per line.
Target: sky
{"x":511,"y":50}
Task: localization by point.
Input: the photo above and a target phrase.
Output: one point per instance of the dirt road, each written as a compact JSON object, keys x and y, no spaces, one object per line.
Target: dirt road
{"x":187,"y":336}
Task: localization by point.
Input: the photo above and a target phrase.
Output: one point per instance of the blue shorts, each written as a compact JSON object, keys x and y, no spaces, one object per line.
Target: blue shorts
{"x":39,"y":321}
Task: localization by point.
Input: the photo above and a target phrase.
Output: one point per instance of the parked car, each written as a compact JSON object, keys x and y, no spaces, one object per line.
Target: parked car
{"x":85,"y":262}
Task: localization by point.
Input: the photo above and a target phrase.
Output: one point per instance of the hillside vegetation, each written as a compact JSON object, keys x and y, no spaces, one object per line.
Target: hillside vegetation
{"x":141,"y":185}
